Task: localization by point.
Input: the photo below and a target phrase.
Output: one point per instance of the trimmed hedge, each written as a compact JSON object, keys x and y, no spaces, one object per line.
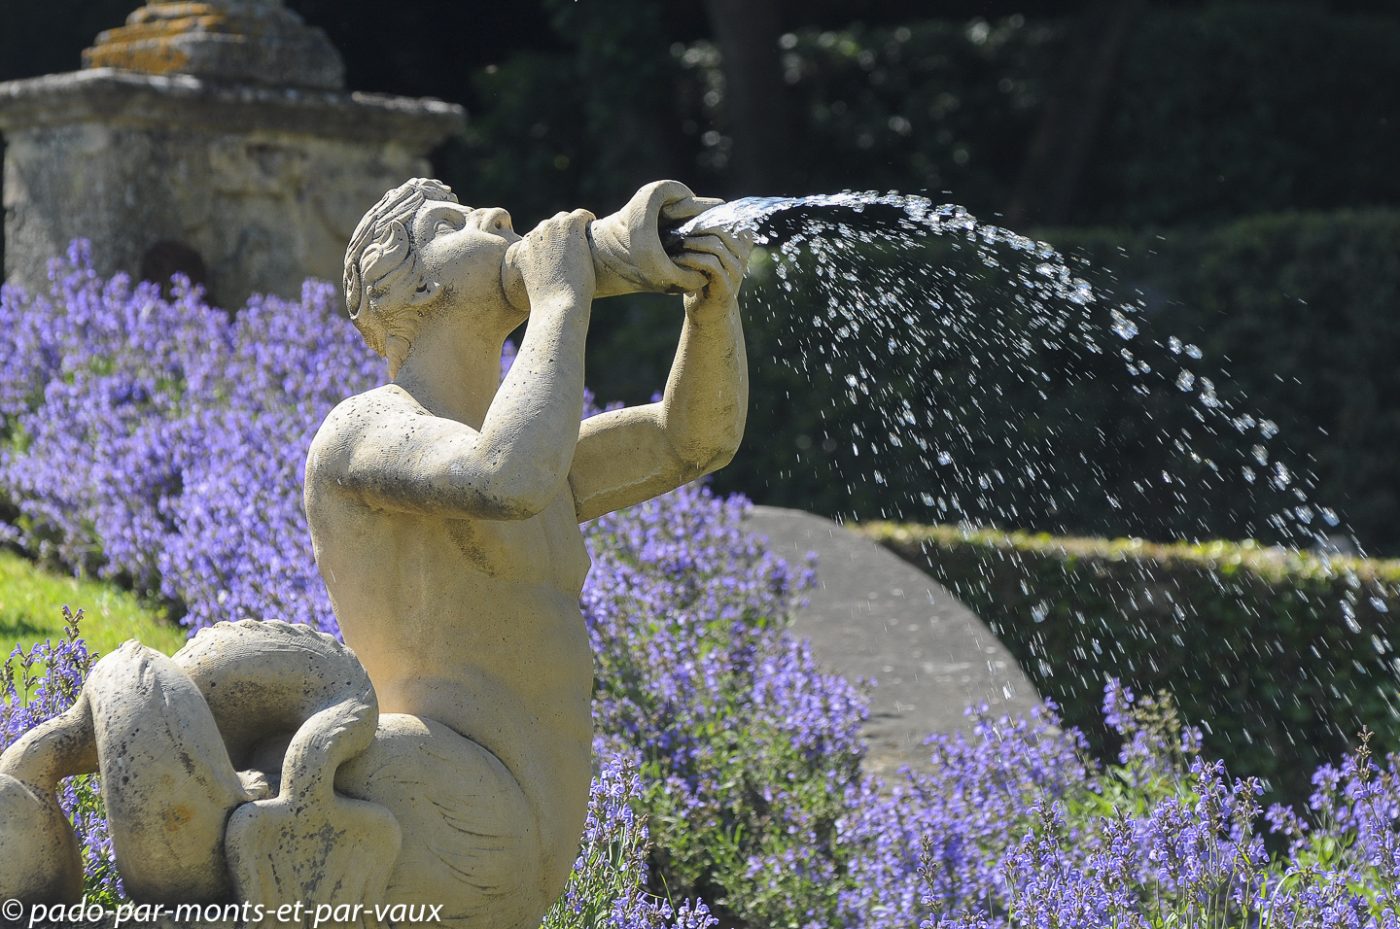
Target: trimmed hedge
{"x":1281,"y":657}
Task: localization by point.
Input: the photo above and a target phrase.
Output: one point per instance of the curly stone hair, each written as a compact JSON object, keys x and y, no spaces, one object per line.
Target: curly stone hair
{"x":380,"y":256}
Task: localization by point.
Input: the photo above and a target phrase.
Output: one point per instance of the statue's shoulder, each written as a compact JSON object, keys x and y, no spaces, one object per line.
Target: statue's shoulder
{"x":364,"y":411}
{"x":357,"y":419}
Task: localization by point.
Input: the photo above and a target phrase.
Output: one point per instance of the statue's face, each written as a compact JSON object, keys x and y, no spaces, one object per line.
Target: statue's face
{"x":462,"y":249}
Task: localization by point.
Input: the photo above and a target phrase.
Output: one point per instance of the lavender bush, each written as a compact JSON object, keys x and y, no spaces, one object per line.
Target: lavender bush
{"x":36,"y":684}
{"x":607,"y":888}
{"x":160,"y":443}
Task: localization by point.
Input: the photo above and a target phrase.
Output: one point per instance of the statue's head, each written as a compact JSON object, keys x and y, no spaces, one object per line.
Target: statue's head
{"x":417,"y":249}
{"x":383,"y":272}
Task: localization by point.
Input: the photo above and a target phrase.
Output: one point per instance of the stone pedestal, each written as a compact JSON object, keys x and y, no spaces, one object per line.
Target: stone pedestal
{"x":208,"y":138}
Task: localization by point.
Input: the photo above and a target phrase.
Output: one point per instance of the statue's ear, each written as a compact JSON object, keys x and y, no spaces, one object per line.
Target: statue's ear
{"x":397,"y":278}
{"x":426,"y":292}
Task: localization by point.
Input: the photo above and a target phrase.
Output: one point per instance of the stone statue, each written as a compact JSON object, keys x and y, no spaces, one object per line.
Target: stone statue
{"x":448,"y":764}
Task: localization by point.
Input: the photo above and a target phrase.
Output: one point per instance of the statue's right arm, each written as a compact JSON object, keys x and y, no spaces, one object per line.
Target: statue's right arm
{"x":391,"y":453}
{"x":387,"y":453}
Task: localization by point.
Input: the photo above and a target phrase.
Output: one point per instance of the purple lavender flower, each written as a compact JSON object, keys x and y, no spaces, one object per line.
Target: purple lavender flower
{"x":37,"y":684}
{"x":159,"y":442}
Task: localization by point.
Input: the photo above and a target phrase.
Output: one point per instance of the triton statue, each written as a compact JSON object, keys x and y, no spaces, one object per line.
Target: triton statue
{"x":445,"y":761}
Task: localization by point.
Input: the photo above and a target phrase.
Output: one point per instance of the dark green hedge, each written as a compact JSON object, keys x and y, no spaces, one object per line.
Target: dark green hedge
{"x":1303,"y":311}
{"x":1280,"y":657}
{"x":1237,"y":108}
{"x":1217,"y":111}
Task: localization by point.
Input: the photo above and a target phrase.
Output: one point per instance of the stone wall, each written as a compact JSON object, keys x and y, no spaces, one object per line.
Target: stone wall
{"x":248,"y":180}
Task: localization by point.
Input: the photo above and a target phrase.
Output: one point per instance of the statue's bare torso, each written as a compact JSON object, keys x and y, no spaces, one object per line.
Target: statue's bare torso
{"x":471,"y":622}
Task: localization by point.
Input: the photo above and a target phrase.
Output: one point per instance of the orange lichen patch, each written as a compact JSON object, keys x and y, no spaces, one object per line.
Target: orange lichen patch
{"x":147,"y":43}
{"x":148,"y":59}
{"x":155,"y":57}
{"x":176,"y":817}
{"x":165,"y":27}
{"x":175,"y":18}
{"x":261,"y":43}
{"x":161,"y":11}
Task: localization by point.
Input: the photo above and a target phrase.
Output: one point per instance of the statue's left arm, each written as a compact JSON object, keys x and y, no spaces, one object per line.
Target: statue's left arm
{"x":636,"y":453}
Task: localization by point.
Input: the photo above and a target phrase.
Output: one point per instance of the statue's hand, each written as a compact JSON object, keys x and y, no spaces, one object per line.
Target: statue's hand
{"x":555,"y":261}
{"x":721,"y":257}
{"x":682,"y":205}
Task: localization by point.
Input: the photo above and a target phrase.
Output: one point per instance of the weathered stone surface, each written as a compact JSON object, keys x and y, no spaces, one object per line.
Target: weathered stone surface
{"x":261,"y":185}
{"x":246,"y":41}
{"x":444,"y":511}
{"x":877,"y":617}
{"x":183,"y":745}
{"x":628,"y":254}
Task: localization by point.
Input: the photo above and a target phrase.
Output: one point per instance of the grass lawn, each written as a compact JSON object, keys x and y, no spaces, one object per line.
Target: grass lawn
{"x":32,"y":601}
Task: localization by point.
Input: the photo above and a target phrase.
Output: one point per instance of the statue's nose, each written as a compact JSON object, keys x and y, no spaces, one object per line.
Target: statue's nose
{"x":495,"y":220}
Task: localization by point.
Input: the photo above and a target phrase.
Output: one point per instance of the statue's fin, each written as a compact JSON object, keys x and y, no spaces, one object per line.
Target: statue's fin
{"x":309,"y":843}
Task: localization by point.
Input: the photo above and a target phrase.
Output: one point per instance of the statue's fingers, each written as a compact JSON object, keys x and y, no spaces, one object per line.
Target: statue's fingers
{"x":738,"y":242}
{"x":686,"y":279}
{"x":723,"y":247}
{"x":678,"y":211}
{"x":706,"y":264}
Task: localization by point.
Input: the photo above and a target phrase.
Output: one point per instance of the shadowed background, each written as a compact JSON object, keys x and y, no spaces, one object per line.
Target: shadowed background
{"x":1232,"y":161}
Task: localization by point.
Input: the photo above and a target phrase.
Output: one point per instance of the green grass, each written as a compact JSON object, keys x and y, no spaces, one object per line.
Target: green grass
{"x":32,"y":601}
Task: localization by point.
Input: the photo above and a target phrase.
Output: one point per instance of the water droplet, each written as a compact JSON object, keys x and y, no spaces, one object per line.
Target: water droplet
{"x":1349,"y":617}
{"x":1122,"y":326}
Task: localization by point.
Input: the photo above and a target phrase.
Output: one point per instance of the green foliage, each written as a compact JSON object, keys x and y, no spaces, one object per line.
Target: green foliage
{"x":1241,"y":108}
{"x":927,"y":105}
{"x":611,"y":864}
{"x":1302,"y":308}
{"x":711,"y":855}
{"x":1216,"y":111}
{"x":37,"y":682}
{"x":586,"y":123}
{"x":1281,"y":657}
{"x":30,"y":595}
{"x":100,"y":877}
